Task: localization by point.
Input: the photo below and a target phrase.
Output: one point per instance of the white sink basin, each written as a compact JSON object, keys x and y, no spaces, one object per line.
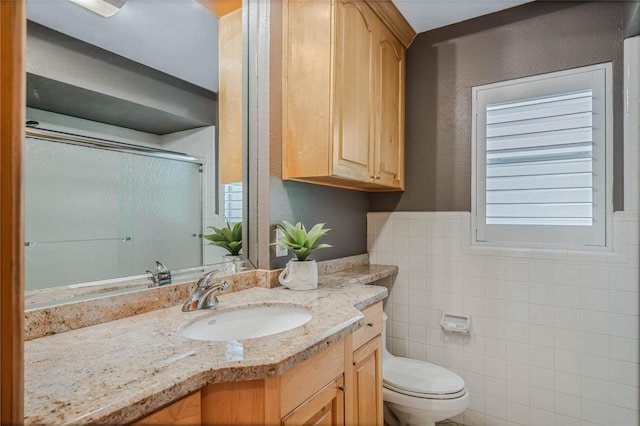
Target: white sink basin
{"x":247,"y":323}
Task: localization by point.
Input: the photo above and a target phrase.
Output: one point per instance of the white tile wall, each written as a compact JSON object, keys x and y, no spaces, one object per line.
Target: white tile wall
{"x":555,"y":335}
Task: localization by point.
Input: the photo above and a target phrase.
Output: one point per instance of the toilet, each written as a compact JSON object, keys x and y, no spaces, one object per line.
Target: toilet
{"x":418,"y":393}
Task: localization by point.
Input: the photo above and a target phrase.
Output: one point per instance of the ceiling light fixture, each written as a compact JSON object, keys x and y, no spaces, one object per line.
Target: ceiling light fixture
{"x":104,"y":8}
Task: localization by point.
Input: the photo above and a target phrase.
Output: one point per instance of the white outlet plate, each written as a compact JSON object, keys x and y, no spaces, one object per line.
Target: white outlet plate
{"x":280,"y":251}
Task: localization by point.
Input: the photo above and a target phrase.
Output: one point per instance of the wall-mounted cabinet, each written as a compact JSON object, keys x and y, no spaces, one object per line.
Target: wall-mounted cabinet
{"x":230,"y":97}
{"x":343,"y":93}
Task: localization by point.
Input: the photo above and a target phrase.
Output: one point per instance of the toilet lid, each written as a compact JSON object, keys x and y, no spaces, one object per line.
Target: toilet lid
{"x":419,"y":377}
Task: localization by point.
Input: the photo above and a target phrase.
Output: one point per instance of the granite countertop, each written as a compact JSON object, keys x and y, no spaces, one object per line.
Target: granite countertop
{"x":119,"y":371}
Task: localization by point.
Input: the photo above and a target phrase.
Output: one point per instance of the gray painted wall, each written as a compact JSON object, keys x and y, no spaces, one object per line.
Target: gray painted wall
{"x":344,"y":212}
{"x":443,"y":65}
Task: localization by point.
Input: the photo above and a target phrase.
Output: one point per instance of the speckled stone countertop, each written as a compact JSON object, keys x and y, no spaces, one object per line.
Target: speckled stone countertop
{"x":119,"y":371}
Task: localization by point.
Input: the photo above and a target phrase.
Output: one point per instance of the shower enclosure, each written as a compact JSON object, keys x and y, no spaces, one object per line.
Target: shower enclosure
{"x":103,"y":210}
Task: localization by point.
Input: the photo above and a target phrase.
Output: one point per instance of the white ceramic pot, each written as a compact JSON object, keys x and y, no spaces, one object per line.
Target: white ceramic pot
{"x":300,"y":275}
{"x":232,"y":263}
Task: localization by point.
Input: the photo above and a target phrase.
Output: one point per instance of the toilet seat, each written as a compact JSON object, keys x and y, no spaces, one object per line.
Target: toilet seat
{"x":421,"y":379}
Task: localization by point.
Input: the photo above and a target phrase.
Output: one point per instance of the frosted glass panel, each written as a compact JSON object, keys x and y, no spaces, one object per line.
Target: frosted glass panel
{"x":93,"y":214}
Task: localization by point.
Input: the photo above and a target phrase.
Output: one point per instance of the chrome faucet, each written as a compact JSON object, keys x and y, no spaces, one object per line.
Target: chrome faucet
{"x":161,"y":276}
{"x":203,"y":297}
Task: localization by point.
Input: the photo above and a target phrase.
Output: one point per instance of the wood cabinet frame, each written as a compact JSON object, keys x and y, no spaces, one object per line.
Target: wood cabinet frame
{"x":12,"y":116}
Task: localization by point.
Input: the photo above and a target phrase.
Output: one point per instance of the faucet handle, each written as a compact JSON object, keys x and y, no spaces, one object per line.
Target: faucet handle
{"x":164,"y":274}
{"x":208,"y":299}
{"x":153,"y":278}
{"x":204,"y":281}
{"x":161,"y":276}
{"x":203,"y":296}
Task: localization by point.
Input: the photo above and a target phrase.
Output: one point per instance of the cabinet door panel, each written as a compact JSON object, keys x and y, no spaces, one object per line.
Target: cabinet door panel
{"x":325,"y":408}
{"x":230,"y":97}
{"x":389,"y":166}
{"x":354,"y":112}
{"x":368,"y":384}
{"x":306,"y":89}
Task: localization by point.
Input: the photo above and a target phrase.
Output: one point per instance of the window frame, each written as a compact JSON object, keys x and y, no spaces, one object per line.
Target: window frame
{"x":597,"y":237}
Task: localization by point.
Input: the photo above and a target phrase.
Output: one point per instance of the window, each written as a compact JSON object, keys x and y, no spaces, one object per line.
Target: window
{"x":540,"y":150}
{"x":233,"y":202}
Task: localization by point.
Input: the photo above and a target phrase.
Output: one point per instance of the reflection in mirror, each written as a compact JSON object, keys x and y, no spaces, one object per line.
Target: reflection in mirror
{"x":93,"y":213}
{"x":120,"y":156}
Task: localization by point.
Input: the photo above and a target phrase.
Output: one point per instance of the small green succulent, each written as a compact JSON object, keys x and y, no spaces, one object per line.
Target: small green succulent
{"x":229,"y":237}
{"x":299,"y":241}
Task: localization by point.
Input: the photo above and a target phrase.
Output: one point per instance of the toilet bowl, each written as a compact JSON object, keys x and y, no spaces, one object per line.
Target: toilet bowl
{"x":418,"y":393}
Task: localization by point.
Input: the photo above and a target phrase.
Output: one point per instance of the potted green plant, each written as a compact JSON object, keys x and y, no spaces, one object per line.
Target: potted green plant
{"x":301,"y":273}
{"x":230,"y":239}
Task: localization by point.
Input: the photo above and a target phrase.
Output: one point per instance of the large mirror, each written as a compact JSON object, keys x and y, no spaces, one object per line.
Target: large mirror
{"x":134,"y":144}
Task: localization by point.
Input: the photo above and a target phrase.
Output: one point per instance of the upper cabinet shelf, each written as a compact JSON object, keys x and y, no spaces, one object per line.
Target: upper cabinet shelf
{"x":343,"y":93}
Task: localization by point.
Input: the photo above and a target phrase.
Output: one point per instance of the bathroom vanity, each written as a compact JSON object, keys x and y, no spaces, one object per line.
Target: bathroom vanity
{"x":341,"y":384}
{"x":142,"y":370}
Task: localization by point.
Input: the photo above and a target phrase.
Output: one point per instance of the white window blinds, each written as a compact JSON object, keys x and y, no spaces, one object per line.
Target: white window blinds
{"x":539,"y":161}
{"x":539,"y":158}
{"x":233,"y":202}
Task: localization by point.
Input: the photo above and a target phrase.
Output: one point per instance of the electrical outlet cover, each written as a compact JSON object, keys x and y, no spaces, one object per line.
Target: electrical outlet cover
{"x":280,"y":251}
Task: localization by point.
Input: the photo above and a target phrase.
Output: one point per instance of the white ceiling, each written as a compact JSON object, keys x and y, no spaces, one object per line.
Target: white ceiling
{"x":180,"y":38}
{"x":425,"y":15}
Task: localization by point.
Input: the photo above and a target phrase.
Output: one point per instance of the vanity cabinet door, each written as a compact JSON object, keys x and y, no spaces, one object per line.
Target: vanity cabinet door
{"x":185,"y":411}
{"x":325,"y":408}
{"x":367,"y":384}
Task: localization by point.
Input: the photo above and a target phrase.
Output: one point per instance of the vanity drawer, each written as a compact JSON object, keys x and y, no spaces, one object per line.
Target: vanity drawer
{"x":310,"y":376}
{"x":372,"y":325}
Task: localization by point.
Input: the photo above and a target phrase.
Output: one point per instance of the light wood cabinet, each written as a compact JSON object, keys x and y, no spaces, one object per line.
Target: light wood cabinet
{"x":185,"y":411}
{"x":389,"y":136}
{"x":311,"y":393}
{"x":220,"y":8}
{"x":372,"y":325}
{"x":325,"y":408}
{"x":230,"y":97}
{"x":366,"y":370}
{"x":367,"y":384}
{"x":354,"y":115}
{"x":340,"y":385}
{"x":343,"y":93}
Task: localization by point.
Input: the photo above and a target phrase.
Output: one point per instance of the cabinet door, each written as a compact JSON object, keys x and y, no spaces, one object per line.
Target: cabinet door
{"x":230,"y":97}
{"x":354,"y":109}
{"x":389,"y":144}
{"x":367,"y":382}
{"x":325,"y":408}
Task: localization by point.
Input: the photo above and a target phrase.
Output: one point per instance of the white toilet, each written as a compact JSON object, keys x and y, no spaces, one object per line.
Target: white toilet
{"x":417,"y":393}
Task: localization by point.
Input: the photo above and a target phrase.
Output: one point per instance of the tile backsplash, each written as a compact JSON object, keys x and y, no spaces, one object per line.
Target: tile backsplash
{"x":554,"y":333}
